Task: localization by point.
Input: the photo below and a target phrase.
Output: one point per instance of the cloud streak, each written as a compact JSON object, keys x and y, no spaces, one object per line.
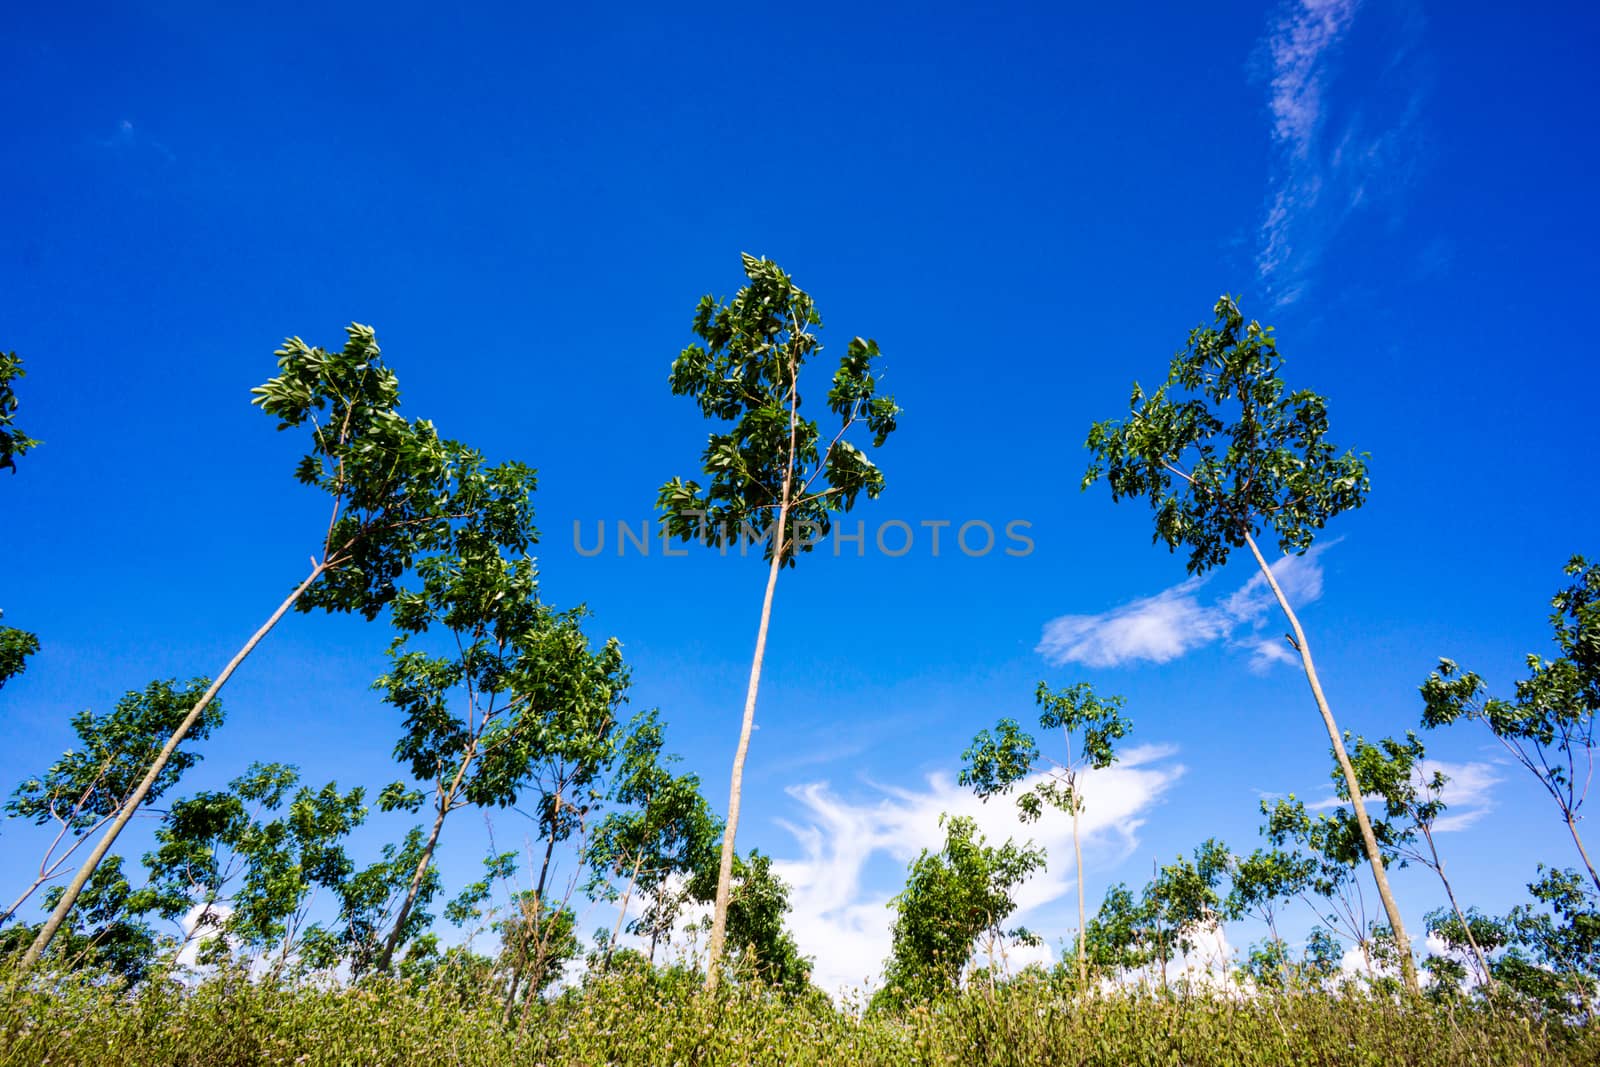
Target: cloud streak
{"x":1327,"y":161}
{"x":1174,"y":622}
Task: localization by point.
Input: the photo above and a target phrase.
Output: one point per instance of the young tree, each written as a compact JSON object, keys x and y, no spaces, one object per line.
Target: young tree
{"x":661,"y":834}
{"x":85,"y":789}
{"x":394,"y":486}
{"x":1262,"y":883}
{"x":1329,"y":844}
{"x":760,"y":945}
{"x":953,"y":898}
{"x":770,"y":475}
{"x":1554,"y":960}
{"x":369,"y":899}
{"x":522,"y":688}
{"x":996,"y":762}
{"x":1221,"y":453}
{"x":1413,"y":803}
{"x":1549,"y":726}
{"x":250,"y":856}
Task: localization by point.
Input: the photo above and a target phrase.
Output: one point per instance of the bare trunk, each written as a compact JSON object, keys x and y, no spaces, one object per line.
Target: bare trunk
{"x":415,"y":888}
{"x":719,"y":917}
{"x":75,"y":887}
{"x":1368,"y":839}
{"x":622,"y":912}
{"x":1083,"y":915}
{"x":1438,"y":868}
{"x":1572,"y":826}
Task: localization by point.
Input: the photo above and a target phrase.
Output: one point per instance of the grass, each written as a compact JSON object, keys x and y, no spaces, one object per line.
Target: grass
{"x":648,"y":1018}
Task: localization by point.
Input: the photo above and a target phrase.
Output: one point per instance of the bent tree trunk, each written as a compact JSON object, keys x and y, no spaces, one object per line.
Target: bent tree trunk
{"x":75,"y":888}
{"x":1369,"y":841}
{"x":719,"y":917}
{"x":446,"y":801}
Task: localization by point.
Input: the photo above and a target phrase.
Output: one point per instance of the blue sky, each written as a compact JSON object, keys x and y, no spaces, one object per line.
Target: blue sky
{"x":1027,"y":207}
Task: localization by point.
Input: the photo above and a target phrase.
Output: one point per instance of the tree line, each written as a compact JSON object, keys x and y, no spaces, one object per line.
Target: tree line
{"x":506,"y":703}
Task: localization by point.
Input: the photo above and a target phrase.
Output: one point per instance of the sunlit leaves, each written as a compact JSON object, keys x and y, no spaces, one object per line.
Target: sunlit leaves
{"x":745,"y":374}
{"x":1221,"y":449}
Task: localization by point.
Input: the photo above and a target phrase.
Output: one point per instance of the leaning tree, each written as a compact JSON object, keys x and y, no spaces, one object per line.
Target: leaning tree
{"x":1223,"y":451}
{"x":394,"y":489}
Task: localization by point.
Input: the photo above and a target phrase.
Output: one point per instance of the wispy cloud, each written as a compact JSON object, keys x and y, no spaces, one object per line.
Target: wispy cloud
{"x":1173,"y":622}
{"x":1327,"y":161}
{"x":1468,"y":794}
{"x":841,"y":913}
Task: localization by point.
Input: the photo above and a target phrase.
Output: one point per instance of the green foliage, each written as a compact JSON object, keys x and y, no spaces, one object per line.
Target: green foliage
{"x":253,"y":876}
{"x":1549,"y":724}
{"x":397,"y":486}
{"x":636,"y":1015}
{"x":1221,"y":450}
{"x":996,"y":761}
{"x":15,"y":648}
{"x":1554,"y":956}
{"x":660,"y":835}
{"x":761,"y":945}
{"x":13,"y":442}
{"x":953,"y":898}
{"x":770,"y":464}
{"x":368,"y":902}
{"x":107,"y":933}
{"x":91,"y":780}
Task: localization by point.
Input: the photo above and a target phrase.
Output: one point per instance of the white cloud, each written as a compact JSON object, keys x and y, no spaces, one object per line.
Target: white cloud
{"x":1468,"y":795}
{"x":844,"y":922}
{"x":1158,"y":628}
{"x":1171,"y":623}
{"x":1324,"y":169}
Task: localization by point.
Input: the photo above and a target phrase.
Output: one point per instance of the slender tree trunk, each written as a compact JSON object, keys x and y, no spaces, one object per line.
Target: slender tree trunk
{"x":1368,"y":839}
{"x":75,"y":887}
{"x":1438,"y":868}
{"x":392,"y":942}
{"x":1083,"y":914}
{"x":1572,"y":827}
{"x":719,"y":917}
{"x":622,"y":912}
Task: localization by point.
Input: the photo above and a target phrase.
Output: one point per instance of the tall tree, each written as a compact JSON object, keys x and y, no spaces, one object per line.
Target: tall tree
{"x":85,"y":789}
{"x":770,"y":474}
{"x":394,"y":488}
{"x":1221,"y":451}
{"x":954,"y":897}
{"x":1549,"y":725}
{"x":996,"y":762}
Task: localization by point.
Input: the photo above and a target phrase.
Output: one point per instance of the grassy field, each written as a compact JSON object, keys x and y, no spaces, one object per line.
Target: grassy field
{"x":648,"y":1019}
